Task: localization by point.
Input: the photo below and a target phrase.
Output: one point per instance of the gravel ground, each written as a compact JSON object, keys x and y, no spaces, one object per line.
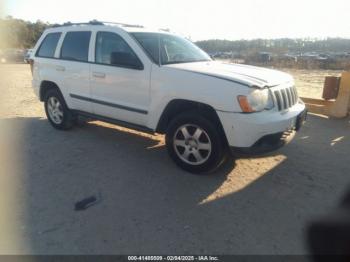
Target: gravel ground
{"x":258,"y":205}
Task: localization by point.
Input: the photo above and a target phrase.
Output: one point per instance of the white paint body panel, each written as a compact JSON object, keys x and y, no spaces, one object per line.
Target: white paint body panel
{"x":151,"y":89}
{"x":250,"y":75}
{"x":169,"y":83}
{"x":75,"y":79}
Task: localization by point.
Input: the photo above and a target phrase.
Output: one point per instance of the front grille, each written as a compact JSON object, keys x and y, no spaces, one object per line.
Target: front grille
{"x":285,"y":97}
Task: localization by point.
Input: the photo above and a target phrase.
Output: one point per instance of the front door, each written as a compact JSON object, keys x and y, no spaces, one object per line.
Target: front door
{"x":119,"y":82}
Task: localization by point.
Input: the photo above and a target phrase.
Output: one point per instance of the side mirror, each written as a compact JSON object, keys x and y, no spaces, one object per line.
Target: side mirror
{"x":126,"y":59}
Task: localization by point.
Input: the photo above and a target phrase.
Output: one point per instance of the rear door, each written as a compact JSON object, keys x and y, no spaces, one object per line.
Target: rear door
{"x":74,"y":69}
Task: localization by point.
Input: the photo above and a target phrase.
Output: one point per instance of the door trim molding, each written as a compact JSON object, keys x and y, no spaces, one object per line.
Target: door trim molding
{"x":105,"y":103}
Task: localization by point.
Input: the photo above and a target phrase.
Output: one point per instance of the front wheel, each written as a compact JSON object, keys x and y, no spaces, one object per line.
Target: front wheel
{"x":195,"y":143}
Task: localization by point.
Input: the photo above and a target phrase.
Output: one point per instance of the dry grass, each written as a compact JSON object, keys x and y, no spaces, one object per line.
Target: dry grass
{"x":310,"y":82}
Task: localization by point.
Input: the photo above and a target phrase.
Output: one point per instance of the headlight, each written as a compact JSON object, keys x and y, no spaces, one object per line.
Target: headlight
{"x":256,"y":101}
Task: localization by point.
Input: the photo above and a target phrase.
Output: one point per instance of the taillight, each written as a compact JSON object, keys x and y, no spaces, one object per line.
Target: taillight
{"x":31,"y":62}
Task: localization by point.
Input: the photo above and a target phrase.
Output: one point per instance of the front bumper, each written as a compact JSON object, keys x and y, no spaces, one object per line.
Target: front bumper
{"x":266,"y":144}
{"x":246,"y":130}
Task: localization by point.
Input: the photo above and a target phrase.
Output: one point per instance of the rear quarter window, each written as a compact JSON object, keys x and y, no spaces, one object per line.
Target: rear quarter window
{"x":48,"y":46}
{"x":75,"y":46}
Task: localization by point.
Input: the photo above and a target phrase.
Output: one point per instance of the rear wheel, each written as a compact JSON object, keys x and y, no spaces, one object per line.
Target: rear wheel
{"x":195,"y":143}
{"x":57,"y":111}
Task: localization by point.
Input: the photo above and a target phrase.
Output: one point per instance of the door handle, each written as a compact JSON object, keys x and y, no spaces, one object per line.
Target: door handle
{"x":60,"y":68}
{"x":99,"y":75}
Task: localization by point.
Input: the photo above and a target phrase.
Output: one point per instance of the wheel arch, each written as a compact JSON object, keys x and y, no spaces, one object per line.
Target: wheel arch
{"x":178,"y":106}
{"x":45,"y":86}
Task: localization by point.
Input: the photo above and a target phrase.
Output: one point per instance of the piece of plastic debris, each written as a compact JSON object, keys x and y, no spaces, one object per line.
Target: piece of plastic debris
{"x":85,"y":203}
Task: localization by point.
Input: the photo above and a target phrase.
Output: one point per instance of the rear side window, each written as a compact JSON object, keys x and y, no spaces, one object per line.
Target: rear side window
{"x":48,"y":45}
{"x":111,"y":49}
{"x":76,"y":46}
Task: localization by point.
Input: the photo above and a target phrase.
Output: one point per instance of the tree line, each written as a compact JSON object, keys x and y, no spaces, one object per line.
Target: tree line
{"x":276,"y":45}
{"x":21,"y":34}
{"x":17,"y":33}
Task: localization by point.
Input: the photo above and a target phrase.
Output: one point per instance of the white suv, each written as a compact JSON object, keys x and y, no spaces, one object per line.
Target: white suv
{"x":155,"y":81}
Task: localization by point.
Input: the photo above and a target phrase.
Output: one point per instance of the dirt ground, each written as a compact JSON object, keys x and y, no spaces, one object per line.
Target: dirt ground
{"x":257,"y":205}
{"x":310,"y":82}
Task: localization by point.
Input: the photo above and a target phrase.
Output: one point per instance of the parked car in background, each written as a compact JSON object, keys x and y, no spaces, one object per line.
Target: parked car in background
{"x":27,"y":55}
{"x":11,"y":56}
{"x":2,"y":57}
{"x":156,"y":81}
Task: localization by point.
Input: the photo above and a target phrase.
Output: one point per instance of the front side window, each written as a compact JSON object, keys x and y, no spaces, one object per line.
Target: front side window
{"x":48,"y":46}
{"x":75,"y":46}
{"x":150,"y":43}
{"x":111,"y":49}
{"x":172,"y":49}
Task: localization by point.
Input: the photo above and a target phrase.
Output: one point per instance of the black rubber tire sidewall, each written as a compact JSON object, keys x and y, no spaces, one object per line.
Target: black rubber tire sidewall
{"x":218,"y":146}
{"x":68,"y":118}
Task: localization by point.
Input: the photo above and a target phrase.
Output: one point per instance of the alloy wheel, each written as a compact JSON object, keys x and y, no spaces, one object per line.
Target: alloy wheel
{"x":192,"y":144}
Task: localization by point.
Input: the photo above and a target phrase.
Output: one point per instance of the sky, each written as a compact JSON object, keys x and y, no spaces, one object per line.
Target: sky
{"x":200,"y":20}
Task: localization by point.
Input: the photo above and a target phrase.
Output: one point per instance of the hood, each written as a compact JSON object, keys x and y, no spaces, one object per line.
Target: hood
{"x":239,"y":73}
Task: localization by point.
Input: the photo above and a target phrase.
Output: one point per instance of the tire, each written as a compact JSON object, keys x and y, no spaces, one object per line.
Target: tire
{"x":57,"y":112}
{"x":184,"y":147}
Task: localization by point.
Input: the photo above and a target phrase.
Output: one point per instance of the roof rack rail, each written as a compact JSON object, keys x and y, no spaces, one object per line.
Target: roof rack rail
{"x":122,"y":24}
{"x":92,"y":22}
{"x":96,"y":22}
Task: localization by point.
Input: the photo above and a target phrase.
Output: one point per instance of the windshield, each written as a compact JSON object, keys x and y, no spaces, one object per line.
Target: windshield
{"x":171,"y":49}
